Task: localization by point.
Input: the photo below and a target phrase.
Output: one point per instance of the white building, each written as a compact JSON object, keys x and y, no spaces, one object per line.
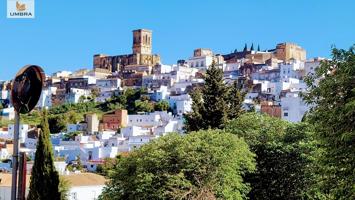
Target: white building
{"x":160,"y":94}
{"x":75,"y":94}
{"x":135,"y":142}
{"x":111,"y":84}
{"x":5,"y":94}
{"x":311,"y":65}
{"x":62,"y":74}
{"x":7,"y":113}
{"x":22,"y":132}
{"x":292,"y":69}
{"x":145,"y":120}
{"x":293,"y":107}
{"x":83,"y":186}
{"x":203,"y":58}
{"x":45,"y":101}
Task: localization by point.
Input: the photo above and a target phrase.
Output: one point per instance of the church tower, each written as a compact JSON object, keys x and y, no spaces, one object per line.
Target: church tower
{"x":142,"y":41}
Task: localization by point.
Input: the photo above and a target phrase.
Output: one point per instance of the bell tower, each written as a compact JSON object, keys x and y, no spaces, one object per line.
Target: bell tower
{"x":142,"y":41}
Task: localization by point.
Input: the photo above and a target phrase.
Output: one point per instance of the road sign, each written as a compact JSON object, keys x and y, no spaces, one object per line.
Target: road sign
{"x":27,"y":88}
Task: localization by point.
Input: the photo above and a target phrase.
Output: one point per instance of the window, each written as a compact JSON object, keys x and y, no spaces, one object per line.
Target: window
{"x":285,"y":114}
{"x":74,"y":196}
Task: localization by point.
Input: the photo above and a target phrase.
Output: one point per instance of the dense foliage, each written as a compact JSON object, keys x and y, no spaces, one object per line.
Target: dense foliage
{"x":284,"y":155}
{"x":162,"y":105}
{"x":201,"y":165}
{"x":332,"y":95}
{"x":44,"y":183}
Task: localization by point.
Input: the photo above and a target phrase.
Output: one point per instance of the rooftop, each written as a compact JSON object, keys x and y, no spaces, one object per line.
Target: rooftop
{"x":75,"y":180}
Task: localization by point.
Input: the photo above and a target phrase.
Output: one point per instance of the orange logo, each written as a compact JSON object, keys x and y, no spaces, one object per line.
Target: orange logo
{"x":20,"y":7}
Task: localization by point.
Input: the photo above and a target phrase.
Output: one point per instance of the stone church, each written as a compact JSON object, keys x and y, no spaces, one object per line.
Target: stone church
{"x":141,"y":55}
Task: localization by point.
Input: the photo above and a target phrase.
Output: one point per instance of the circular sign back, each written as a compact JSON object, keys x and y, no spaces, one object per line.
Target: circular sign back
{"x":27,"y":88}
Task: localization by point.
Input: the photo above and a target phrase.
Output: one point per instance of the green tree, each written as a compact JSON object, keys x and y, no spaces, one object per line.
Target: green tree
{"x":162,"y":105}
{"x":235,"y":100}
{"x":143,"y":106}
{"x":44,"y":183}
{"x":285,"y":156}
{"x":95,"y":92}
{"x":132,"y":95}
{"x":57,"y":123}
{"x":214,"y":108}
{"x":332,"y":97}
{"x":73,"y":117}
{"x":82,"y":99}
{"x":107,"y":167}
{"x":193,"y":120}
{"x":214,"y":96}
{"x":64,"y":187}
{"x":200,"y":165}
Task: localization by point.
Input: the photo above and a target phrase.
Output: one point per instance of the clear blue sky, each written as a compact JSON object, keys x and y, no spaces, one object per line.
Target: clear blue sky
{"x":65,"y":34}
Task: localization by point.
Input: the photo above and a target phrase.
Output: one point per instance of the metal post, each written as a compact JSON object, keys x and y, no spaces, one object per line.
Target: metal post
{"x":21,"y":177}
{"x":15,"y":156}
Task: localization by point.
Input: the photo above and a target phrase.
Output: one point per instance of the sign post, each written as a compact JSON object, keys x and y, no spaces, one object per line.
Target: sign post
{"x":15,"y":155}
{"x":26,"y":90}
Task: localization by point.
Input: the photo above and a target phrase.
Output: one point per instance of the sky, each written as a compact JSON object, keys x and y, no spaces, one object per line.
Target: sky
{"x":67,"y":33}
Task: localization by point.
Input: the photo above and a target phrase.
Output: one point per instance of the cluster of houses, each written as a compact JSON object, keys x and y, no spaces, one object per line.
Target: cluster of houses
{"x":273,"y":80}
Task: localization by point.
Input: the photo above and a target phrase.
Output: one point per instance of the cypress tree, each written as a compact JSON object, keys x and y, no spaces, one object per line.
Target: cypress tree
{"x":194,"y":120}
{"x":252,"y":47}
{"x":44,"y":178}
{"x":235,"y":100}
{"x":245,"y":47}
{"x":258,"y":47}
{"x":214,"y":93}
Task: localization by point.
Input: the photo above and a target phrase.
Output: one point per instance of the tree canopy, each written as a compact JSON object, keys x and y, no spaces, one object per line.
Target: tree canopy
{"x":284,"y":155}
{"x":332,"y":97}
{"x":200,"y":165}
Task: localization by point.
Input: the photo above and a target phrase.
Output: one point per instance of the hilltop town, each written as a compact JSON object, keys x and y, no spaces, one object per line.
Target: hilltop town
{"x":125,"y":101}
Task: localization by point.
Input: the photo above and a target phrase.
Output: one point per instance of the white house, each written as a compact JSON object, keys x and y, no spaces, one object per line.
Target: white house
{"x":45,"y":101}
{"x":108,"y":84}
{"x":292,"y":69}
{"x":144,"y":119}
{"x":311,"y":65}
{"x":293,"y":107}
{"x":8,"y":113}
{"x":160,"y":94}
{"x":75,"y":94}
{"x":83,"y":186}
{"x":203,"y":58}
{"x":135,"y":142}
{"x":22,"y":132}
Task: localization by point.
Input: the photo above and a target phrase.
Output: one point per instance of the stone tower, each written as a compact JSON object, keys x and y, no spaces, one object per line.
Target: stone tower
{"x":142,"y":41}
